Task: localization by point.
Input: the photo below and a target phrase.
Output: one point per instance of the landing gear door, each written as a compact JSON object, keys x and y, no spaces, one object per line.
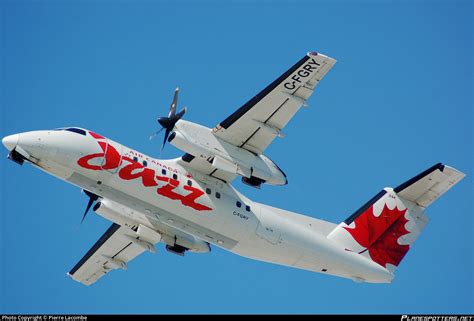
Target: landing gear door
{"x":113,"y":157}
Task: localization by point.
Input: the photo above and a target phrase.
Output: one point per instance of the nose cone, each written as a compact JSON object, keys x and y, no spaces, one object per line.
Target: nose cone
{"x":11,"y":141}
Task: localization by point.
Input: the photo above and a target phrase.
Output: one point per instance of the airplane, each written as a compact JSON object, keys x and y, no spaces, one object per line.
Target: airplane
{"x":190,"y":204}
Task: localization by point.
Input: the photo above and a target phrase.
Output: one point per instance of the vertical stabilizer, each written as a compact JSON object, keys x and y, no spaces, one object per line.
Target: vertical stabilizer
{"x":384,"y":228}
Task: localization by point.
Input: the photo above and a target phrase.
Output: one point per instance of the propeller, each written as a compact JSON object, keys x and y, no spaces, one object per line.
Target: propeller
{"x":168,"y":123}
{"x":152,"y":136}
{"x":92,"y":199}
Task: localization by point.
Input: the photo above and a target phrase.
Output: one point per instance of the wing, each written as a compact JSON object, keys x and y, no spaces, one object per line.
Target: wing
{"x":254,"y":125}
{"x":113,"y":250}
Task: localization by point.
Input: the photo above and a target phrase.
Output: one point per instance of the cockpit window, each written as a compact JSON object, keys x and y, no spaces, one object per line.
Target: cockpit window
{"x":77,"y":130}
{"x":74,"y":130}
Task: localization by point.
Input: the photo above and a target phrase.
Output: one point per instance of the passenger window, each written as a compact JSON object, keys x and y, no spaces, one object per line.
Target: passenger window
{"x":208,"y":191}
{"x":218,"y":195}
{"x":238,"y":204}
{"x":135,"y":159}
{"x":175,"y":176}
{"x":145,"y":163}
{"x":163,"y":171}
{"x":247,"y":208}
{"x":190,"y":183}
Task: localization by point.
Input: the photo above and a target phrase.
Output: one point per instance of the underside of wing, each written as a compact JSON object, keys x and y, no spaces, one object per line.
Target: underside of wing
{"x":118,"y":245}
{"x":254,"y":125}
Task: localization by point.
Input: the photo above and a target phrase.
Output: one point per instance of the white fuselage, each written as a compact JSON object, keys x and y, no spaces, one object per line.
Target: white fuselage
{"x":164,"y":194}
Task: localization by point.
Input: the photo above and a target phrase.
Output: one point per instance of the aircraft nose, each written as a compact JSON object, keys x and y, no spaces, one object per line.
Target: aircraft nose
{"x":11,"y":141}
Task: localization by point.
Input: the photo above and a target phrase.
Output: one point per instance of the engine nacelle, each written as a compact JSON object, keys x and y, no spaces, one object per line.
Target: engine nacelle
{"x":188,"y":242}
{"x":254,"y":169}
{"x":113,"y":211}
{"x":124,"y":215}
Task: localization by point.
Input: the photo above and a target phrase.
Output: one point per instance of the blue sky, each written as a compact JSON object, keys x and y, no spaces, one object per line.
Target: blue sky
{"x":398,"y":101}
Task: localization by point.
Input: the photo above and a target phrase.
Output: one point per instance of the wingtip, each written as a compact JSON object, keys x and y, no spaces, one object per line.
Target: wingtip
{"x":453,"y":171}
{"x":315,"y":53}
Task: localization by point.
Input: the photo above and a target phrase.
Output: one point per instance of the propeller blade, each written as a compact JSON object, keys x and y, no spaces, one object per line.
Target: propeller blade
{"x":167,"y":133}
{"x":181,"y":113}
{"x":92,"y":199}
{"x":89,"y":204}
{"x":152,"y":136}
{"x":169,"y":122}
{"x":166,"y":122}
{"x":174,"y":103}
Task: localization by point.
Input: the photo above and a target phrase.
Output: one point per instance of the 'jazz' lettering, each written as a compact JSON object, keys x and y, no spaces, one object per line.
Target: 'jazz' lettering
{"x":135,"y":170}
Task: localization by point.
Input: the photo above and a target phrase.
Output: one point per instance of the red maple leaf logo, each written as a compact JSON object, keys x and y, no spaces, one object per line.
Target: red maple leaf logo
{"x":379,"y":234}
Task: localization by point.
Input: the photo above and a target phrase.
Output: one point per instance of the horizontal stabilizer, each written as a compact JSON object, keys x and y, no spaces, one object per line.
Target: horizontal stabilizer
{"x":429,"y":185}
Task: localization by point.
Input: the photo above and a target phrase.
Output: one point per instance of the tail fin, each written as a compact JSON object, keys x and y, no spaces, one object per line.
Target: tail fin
{"x":384,"y":228}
